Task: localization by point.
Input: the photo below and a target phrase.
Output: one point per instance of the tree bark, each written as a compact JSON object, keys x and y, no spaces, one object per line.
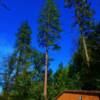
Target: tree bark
{"x":46,"y":75}
{"x":86,"y":51}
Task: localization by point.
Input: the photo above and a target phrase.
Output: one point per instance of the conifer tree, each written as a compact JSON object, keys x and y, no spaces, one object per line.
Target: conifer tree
{"x":84,"y":19}
{"x":49,"y":29}
{"x":23,"y":48}
{"x":7,"y":76}
{"x":23,"y":56}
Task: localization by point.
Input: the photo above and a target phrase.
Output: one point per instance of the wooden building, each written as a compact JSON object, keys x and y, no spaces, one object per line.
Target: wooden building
{"x":78,"y":95}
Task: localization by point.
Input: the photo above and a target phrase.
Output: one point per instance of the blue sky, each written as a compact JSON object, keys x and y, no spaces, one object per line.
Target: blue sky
{"x":29,"y":10}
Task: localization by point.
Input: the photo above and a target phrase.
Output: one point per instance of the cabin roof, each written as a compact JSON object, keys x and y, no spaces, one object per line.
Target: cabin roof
{"x":88,"y":92}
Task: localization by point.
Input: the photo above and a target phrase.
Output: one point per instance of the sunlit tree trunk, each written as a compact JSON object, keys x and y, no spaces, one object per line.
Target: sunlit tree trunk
{"x":86,"y":50}
{"x":46,"y":74}
{"x":48,"y":35}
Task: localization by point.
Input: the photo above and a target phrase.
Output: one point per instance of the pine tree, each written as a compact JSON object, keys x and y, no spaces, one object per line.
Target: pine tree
{"x":23,"y":48}
{"x":23,"y":56}
{"x":89,"y":78}
{"x":94,"y":44}
{"x":38,"y":62}
{"x":49,"y":28}
{"x":84,"y":19}
{"x":9,"y":64}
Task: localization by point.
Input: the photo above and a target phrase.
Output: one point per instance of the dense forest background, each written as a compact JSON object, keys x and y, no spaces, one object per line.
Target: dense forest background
{"x":27,"y":72}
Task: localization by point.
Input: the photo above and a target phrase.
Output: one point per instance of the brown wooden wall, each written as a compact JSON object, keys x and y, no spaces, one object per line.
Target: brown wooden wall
{"x":72,"y":96}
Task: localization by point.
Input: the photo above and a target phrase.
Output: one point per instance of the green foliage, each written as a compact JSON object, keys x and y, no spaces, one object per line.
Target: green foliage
{"x":48,"y":35}
{"x":23,"y":48}
{"x":24,"y":69}
{"x":19,"y":78}
{"x":94,"y":44}
{"x":23,"y":87}
{"x":9,"y":64}
{"x":88,"y":77}
{"x":83,"y":15}
{"x":39,"y":62}
{"x":62,"y":80}
{"x":49,"y":25}
{"x":84,"y":18}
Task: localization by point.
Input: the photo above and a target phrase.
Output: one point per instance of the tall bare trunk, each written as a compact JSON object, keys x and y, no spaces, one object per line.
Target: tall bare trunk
{"x":86,"y":50}
{"x":46,"y":74}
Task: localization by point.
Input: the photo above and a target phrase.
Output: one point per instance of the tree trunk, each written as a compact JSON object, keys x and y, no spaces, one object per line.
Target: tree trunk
{"x":86,"y":51}
{"x":46,"y":75}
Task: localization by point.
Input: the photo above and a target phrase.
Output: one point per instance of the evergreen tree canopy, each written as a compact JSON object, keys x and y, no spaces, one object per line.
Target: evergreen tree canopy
{"x":23,"y":47}
{"x":49,"y":25}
